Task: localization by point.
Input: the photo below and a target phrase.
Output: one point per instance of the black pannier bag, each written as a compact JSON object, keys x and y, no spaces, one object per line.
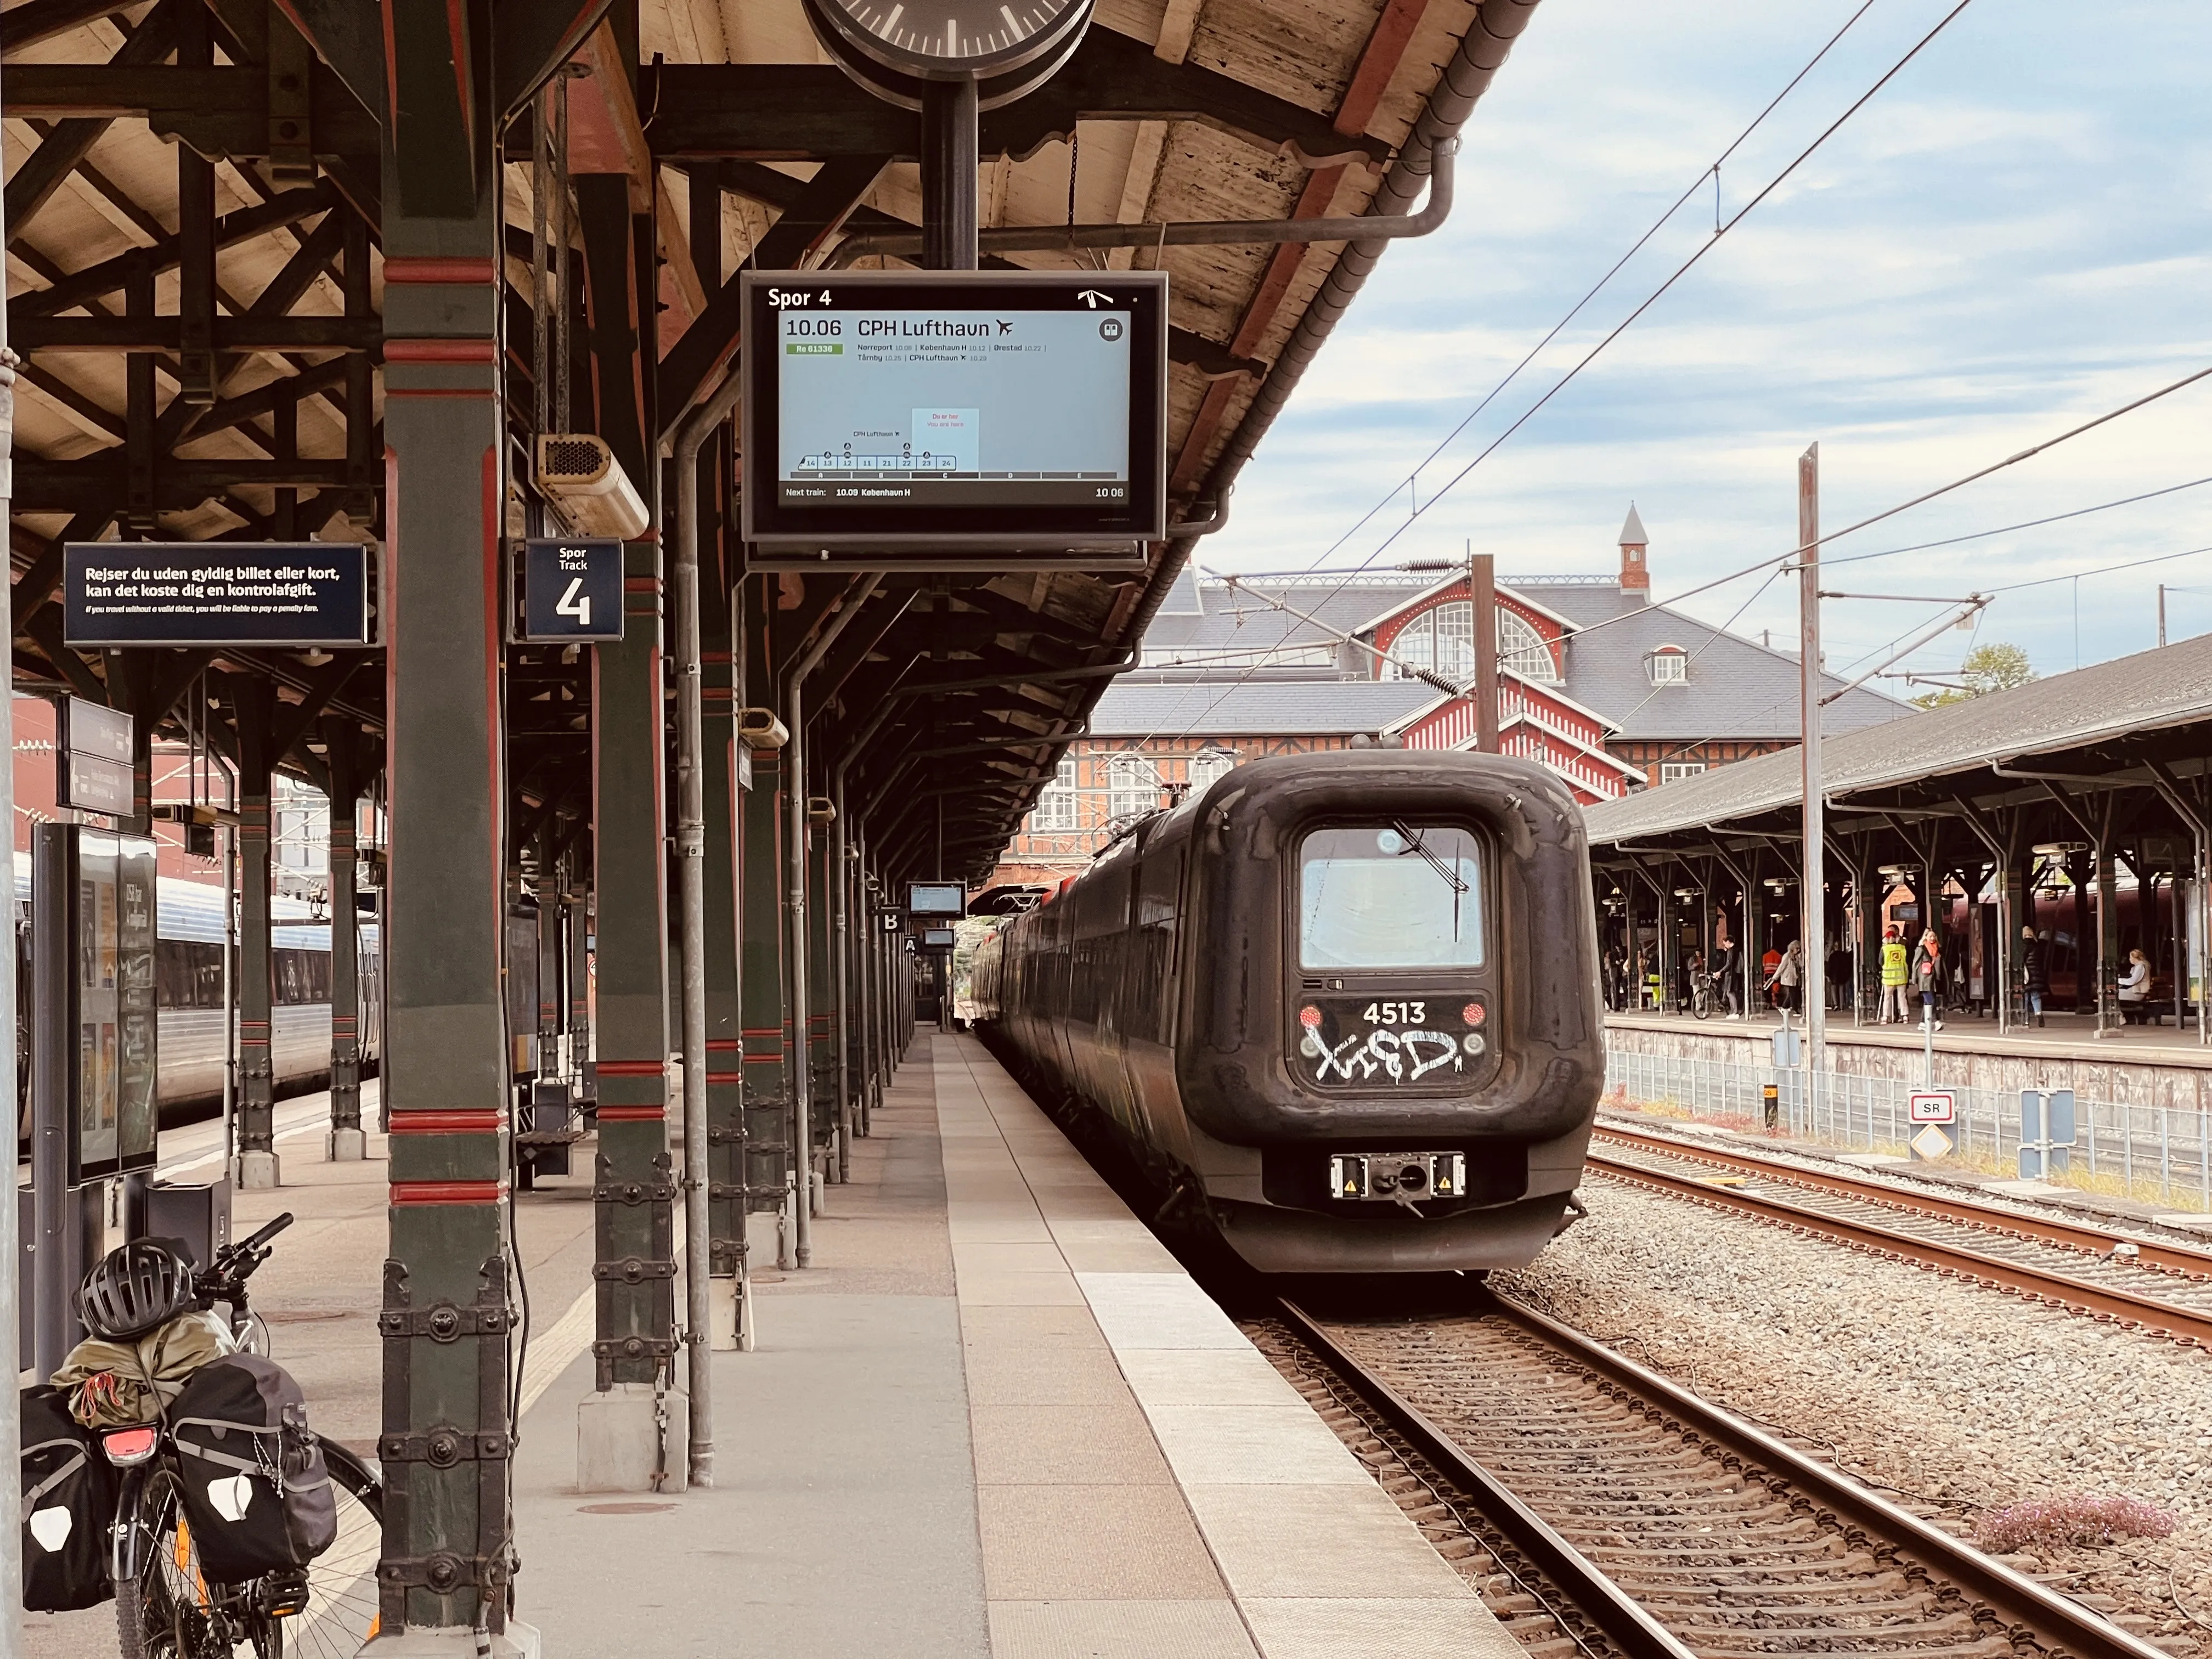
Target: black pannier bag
{"x":257,"y":1492}
{"x":68,"y":1503}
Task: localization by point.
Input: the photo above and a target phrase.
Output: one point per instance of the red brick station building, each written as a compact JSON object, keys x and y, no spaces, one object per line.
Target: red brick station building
{"x":1234,"y":672}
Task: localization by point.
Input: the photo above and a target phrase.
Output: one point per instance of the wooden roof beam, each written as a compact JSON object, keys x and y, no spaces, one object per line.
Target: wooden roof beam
{"x":799,"y":112}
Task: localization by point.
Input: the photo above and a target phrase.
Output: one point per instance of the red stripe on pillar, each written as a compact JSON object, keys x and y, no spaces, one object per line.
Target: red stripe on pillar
{"x":418,"y":269}
{"x":447,"y":1191}
{"x":466,"y":1123}
{"x":440,"y":351}
{"x":633,"y":1068}
{"x":632,"y":1114}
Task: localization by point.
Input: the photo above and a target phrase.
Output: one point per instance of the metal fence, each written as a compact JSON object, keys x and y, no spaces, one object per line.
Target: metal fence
{"x":2161,"y":1154}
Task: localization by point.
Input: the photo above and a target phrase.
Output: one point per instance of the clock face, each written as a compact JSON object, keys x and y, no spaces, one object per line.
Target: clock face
{"x":953,"y":39}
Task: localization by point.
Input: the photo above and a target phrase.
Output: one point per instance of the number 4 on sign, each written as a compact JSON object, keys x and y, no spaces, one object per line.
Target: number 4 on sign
{"x":575,"y":603}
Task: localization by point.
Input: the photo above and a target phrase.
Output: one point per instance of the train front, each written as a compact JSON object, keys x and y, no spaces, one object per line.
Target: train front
{"x":1395,"y":1051}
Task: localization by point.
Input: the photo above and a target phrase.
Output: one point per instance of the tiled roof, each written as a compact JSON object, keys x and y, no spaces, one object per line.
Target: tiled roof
{"x":1134,"y":707}
{"x":1736,"y":689}
{"x":2149,"y":691}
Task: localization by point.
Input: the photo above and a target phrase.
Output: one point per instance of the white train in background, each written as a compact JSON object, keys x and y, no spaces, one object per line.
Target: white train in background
{"x":189,"y":991}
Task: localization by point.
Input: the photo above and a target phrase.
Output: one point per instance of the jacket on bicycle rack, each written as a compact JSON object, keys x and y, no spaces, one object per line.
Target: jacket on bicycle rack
{"x":69,"y":1503}
{"x":256,"y":1488}
{"x":111,"y":1385}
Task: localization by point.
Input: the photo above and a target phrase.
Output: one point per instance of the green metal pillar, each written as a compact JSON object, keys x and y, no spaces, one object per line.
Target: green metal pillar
{"x":820,"y":988}
{"x":446,"y":1320}
{"x":257,"y":1071}
{"x":346,"y":1144}
{"x":726,"y":1138}
{"x":766,"y":1034}
{"x":634,"y":1265}
{"x":626,"y":1441}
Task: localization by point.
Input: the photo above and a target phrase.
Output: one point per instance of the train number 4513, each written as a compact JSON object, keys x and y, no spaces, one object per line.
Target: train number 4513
{"x":1396,"y":1013}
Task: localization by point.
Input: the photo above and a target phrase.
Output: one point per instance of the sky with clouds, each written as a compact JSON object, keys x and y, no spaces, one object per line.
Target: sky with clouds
{"x":2009,"y":239}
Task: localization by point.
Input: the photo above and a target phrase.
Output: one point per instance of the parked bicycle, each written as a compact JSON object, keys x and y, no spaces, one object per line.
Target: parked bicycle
{"x":167,"y":1605}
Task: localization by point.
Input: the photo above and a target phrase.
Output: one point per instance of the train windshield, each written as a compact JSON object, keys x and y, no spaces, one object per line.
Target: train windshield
{"x":1389,"y":896}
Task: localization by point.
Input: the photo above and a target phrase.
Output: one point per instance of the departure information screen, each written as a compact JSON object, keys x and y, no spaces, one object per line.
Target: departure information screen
{"x":989,"y":407}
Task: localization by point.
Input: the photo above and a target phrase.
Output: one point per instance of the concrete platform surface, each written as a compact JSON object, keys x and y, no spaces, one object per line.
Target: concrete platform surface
{"x":994,"y":1420}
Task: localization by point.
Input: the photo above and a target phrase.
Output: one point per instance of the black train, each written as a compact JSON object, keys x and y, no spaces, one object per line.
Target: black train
{"x":1348,"y":1000}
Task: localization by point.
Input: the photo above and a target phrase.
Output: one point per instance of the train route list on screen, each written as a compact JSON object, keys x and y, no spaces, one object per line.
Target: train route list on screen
{"x":954,"y":408}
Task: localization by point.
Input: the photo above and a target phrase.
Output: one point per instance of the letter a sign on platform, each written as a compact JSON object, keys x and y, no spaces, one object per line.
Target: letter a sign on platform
{"x":572,"y":590}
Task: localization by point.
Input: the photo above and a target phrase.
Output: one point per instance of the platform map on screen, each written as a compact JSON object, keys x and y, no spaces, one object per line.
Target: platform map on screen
{"x":953,"y":408}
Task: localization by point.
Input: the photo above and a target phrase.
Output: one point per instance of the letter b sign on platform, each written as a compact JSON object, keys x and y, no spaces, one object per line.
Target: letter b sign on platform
{"x":572,"y":590}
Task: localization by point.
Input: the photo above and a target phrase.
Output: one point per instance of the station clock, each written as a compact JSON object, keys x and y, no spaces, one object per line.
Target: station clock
{"x":895,"y":47}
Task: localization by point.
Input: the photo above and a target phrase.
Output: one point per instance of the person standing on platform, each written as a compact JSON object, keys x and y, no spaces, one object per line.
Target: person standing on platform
{"x":1895,"y":973}
{"x":2135,"y":990}
{"x":1789,"y":975}
{"x":1928,"y":976}
{"x":1731,"y":977}
{"x":2034,"y":975}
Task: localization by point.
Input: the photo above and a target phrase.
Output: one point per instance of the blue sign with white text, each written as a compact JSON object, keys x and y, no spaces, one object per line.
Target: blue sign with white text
{"x":572,"y":590}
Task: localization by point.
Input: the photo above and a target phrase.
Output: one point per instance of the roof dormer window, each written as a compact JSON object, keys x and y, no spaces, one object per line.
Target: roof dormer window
{"x":1669,"y":666}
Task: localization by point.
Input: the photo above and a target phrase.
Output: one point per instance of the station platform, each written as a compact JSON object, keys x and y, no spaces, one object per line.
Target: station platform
{"x":996,"y":1417}
{"x":2138,"y":1065}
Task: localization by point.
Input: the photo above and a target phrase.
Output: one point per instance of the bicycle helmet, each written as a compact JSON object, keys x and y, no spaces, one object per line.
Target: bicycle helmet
{"x":136,"y":1288}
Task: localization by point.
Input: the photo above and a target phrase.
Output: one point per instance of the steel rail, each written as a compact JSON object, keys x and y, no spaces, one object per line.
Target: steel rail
{"x":2171,"y":1258}
{"x":1611,"y":1608}
{"x":2059,"y":1623}
{"x":2183,"y":1324}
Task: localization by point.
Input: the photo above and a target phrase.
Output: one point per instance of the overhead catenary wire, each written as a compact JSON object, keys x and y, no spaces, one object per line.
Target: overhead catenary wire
{"x":1921,"y":500}
{"x":1712,"y":171}
{"x":2024,"y":523}
{"x":1681,"y":270}
{"x":1857,"y":104}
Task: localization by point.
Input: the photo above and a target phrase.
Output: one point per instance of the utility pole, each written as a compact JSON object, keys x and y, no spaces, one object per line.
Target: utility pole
{"x":2162,"y":616}
{"x":1813,"y":928}
{"x":1482,"y":588}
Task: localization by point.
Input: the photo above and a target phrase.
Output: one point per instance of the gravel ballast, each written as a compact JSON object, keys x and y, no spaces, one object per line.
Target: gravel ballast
{"x":1960,"y":1398}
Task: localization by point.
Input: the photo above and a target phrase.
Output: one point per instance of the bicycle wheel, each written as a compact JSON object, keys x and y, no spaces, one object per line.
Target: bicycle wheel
{"x":341,"y":1614}
{"x":171,"y":1611}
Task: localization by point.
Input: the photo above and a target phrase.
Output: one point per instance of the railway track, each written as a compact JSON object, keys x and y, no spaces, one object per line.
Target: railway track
{"x":2163,"y":1289}
{"x":1672,"y":1526}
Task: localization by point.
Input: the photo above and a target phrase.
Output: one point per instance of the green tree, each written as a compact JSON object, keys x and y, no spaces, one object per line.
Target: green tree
{"x":1995,"y":666}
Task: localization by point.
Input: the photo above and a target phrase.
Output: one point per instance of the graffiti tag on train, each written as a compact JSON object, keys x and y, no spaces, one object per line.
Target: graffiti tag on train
{"x":1401,"y":1056}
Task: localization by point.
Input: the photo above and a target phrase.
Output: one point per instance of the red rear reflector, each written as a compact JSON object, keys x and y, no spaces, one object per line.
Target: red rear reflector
{"x":1310,"y":1016}
{"x":1471,"y":1013}
{"x":130,"y":1445}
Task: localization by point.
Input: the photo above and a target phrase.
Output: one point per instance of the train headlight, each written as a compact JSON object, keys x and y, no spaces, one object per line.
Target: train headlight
{"x":1472,"y":1014}
{"x":1471,"y":1043}
{"x":1310,"y":1016}
{"x":1310,"y":1045}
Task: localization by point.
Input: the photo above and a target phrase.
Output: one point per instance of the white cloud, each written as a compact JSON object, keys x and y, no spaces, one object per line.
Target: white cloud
{"x":2007,"y":239}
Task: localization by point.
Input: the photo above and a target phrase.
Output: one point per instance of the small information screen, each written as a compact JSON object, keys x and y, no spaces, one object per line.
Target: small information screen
{"x":277,"y":593}
{"x":995,"y":408}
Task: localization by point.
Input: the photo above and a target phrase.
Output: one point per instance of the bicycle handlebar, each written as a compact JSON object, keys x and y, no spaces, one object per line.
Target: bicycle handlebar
{"x":262,"y":1237}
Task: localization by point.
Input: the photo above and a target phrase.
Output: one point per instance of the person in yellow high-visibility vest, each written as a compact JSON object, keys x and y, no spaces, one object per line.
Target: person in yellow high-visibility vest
{"x":1895,"y":972}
